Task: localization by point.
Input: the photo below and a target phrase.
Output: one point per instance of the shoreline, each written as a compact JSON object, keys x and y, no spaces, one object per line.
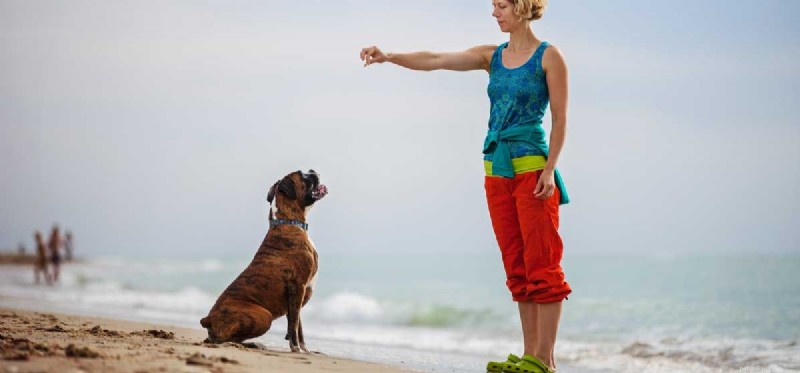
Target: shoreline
{"x":408,"y":351}
{"x":32,"y":341}
{"x":11,"y":258}
{"x":17,"y":258}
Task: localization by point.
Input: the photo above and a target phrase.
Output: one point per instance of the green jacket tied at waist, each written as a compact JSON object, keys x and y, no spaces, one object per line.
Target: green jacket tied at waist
{"x":496,"y":145}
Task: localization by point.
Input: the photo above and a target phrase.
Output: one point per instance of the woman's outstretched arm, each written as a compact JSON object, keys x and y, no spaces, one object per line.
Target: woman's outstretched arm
{"x":476,"y":58}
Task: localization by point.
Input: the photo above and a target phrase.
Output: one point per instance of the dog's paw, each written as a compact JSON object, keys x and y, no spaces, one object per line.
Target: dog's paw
{"x":304,"y":348}
{"x":232,"y":344}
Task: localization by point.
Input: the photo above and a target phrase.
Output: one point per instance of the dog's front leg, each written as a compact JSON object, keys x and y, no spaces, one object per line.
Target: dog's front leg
{"x":294,"y":297}
{"x":300,"y":337}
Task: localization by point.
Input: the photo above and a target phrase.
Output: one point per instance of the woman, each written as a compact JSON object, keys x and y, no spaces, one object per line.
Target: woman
{"x":40,"y":265}
{"x":523,"y":187}
{"x":55,"y":257}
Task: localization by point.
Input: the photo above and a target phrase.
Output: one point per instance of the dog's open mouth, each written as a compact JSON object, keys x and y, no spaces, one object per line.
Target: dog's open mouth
{"x":319,"y":192}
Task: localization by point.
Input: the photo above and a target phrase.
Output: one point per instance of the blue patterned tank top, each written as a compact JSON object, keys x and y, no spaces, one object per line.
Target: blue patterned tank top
{"x":517,"y":96}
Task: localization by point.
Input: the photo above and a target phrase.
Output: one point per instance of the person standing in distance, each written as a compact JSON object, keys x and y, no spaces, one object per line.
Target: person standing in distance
{"x":54,"y":244}
{"x":523,"y":187}
{"x":68,"y":246}
{"x":40,"y":264}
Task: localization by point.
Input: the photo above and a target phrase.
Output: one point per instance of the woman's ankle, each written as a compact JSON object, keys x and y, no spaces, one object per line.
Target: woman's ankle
{"x":546,"y":358}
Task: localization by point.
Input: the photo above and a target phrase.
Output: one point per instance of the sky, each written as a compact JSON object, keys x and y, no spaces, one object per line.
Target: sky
{"x":155,"y":128}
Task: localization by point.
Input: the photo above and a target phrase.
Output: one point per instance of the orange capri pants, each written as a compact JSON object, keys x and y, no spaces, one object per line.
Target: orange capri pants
{"x":526,"y":229}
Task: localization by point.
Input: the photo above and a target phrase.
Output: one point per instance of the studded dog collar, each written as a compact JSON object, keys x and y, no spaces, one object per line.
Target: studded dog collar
{"x":277,"y":222}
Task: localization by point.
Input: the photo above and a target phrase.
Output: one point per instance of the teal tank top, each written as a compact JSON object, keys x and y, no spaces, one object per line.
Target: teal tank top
{"x":517,"y":96}
{"x":518,"y":100}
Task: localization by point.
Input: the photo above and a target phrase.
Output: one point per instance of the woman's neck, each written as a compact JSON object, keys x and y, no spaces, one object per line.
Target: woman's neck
{"x":522,"y":39}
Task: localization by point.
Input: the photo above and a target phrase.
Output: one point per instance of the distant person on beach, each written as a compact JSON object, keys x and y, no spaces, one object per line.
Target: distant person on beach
{"x":55,"y":257}
{"x":21,"y":249}
{"x":40,"y":264}
{"x":68,"y":246}
{"x":523,"y":187}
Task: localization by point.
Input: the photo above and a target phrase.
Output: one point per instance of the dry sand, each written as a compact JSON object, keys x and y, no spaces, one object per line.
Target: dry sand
{"x":45,"y":342}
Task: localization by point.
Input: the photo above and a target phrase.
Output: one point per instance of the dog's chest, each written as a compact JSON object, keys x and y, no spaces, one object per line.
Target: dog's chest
{"x":293,"y":246}
{"x":311,"y":245}
{"x":314,"y":270}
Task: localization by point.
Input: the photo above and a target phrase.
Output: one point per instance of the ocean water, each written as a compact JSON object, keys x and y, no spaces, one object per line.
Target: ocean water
{"x":446,"y":314}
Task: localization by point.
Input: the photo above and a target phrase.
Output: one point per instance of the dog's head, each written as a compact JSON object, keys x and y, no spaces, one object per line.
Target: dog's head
{"x":299,"y":189}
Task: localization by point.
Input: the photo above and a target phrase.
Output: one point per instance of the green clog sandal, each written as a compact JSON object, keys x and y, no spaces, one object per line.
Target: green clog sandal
{"x":528,"y":364}
{"x":497,"y":366}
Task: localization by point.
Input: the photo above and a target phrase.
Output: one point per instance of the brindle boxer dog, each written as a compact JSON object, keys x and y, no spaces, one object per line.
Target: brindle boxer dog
{"x":278,"y":280}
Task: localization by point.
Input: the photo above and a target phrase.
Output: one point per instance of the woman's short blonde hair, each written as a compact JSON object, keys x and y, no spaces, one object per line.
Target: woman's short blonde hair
{"x":529,"y":9}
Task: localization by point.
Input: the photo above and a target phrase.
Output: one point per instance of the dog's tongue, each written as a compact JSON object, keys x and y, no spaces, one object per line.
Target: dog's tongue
{"x":320,"y":192}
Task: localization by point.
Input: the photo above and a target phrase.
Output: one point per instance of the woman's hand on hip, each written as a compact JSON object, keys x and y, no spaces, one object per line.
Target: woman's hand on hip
{"x":546,"y":185}
{"x":372,"y":55}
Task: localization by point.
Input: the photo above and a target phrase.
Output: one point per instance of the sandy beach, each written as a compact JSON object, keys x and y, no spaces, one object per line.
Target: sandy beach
{"x":123,"y":311}
{"x":12,"y":258}
{"x":49,"y":342}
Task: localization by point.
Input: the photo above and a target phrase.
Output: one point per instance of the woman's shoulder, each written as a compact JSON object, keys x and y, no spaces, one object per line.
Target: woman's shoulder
{"x":487,"y":48}
{"x":486,"y":51}
{"x":551,"y":50}
{"x":551,"y":56}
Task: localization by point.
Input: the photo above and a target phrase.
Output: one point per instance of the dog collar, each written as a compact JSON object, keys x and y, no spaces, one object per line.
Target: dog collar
{"x":277,"y":222}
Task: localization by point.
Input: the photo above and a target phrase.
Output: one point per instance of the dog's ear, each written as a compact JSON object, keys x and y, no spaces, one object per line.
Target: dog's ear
{"x":271,"y":193}
{"x":287,"y":187}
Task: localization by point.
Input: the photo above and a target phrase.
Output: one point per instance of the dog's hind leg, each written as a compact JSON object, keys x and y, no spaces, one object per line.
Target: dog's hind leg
{"x":240,"y":322}
{"x":256,"y":321}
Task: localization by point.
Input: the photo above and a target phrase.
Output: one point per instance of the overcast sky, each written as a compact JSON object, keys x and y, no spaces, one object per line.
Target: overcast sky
{"x":156,"y":127}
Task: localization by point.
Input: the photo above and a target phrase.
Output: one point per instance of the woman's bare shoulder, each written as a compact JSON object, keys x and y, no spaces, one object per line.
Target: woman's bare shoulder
{"x":486,"y":51}
{"x":552,"y":57}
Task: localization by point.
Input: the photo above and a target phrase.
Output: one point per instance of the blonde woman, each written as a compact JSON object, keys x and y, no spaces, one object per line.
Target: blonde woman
{"x":523,"y":187}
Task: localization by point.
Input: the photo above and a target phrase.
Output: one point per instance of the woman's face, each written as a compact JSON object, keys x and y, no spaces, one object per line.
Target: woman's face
{"x":503,"y":12}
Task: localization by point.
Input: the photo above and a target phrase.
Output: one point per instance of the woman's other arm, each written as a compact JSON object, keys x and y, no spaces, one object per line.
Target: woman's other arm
{"x":555,"y":69}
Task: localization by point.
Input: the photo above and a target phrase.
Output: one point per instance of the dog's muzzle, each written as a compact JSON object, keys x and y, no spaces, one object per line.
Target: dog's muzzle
{"x":319,"y":192}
